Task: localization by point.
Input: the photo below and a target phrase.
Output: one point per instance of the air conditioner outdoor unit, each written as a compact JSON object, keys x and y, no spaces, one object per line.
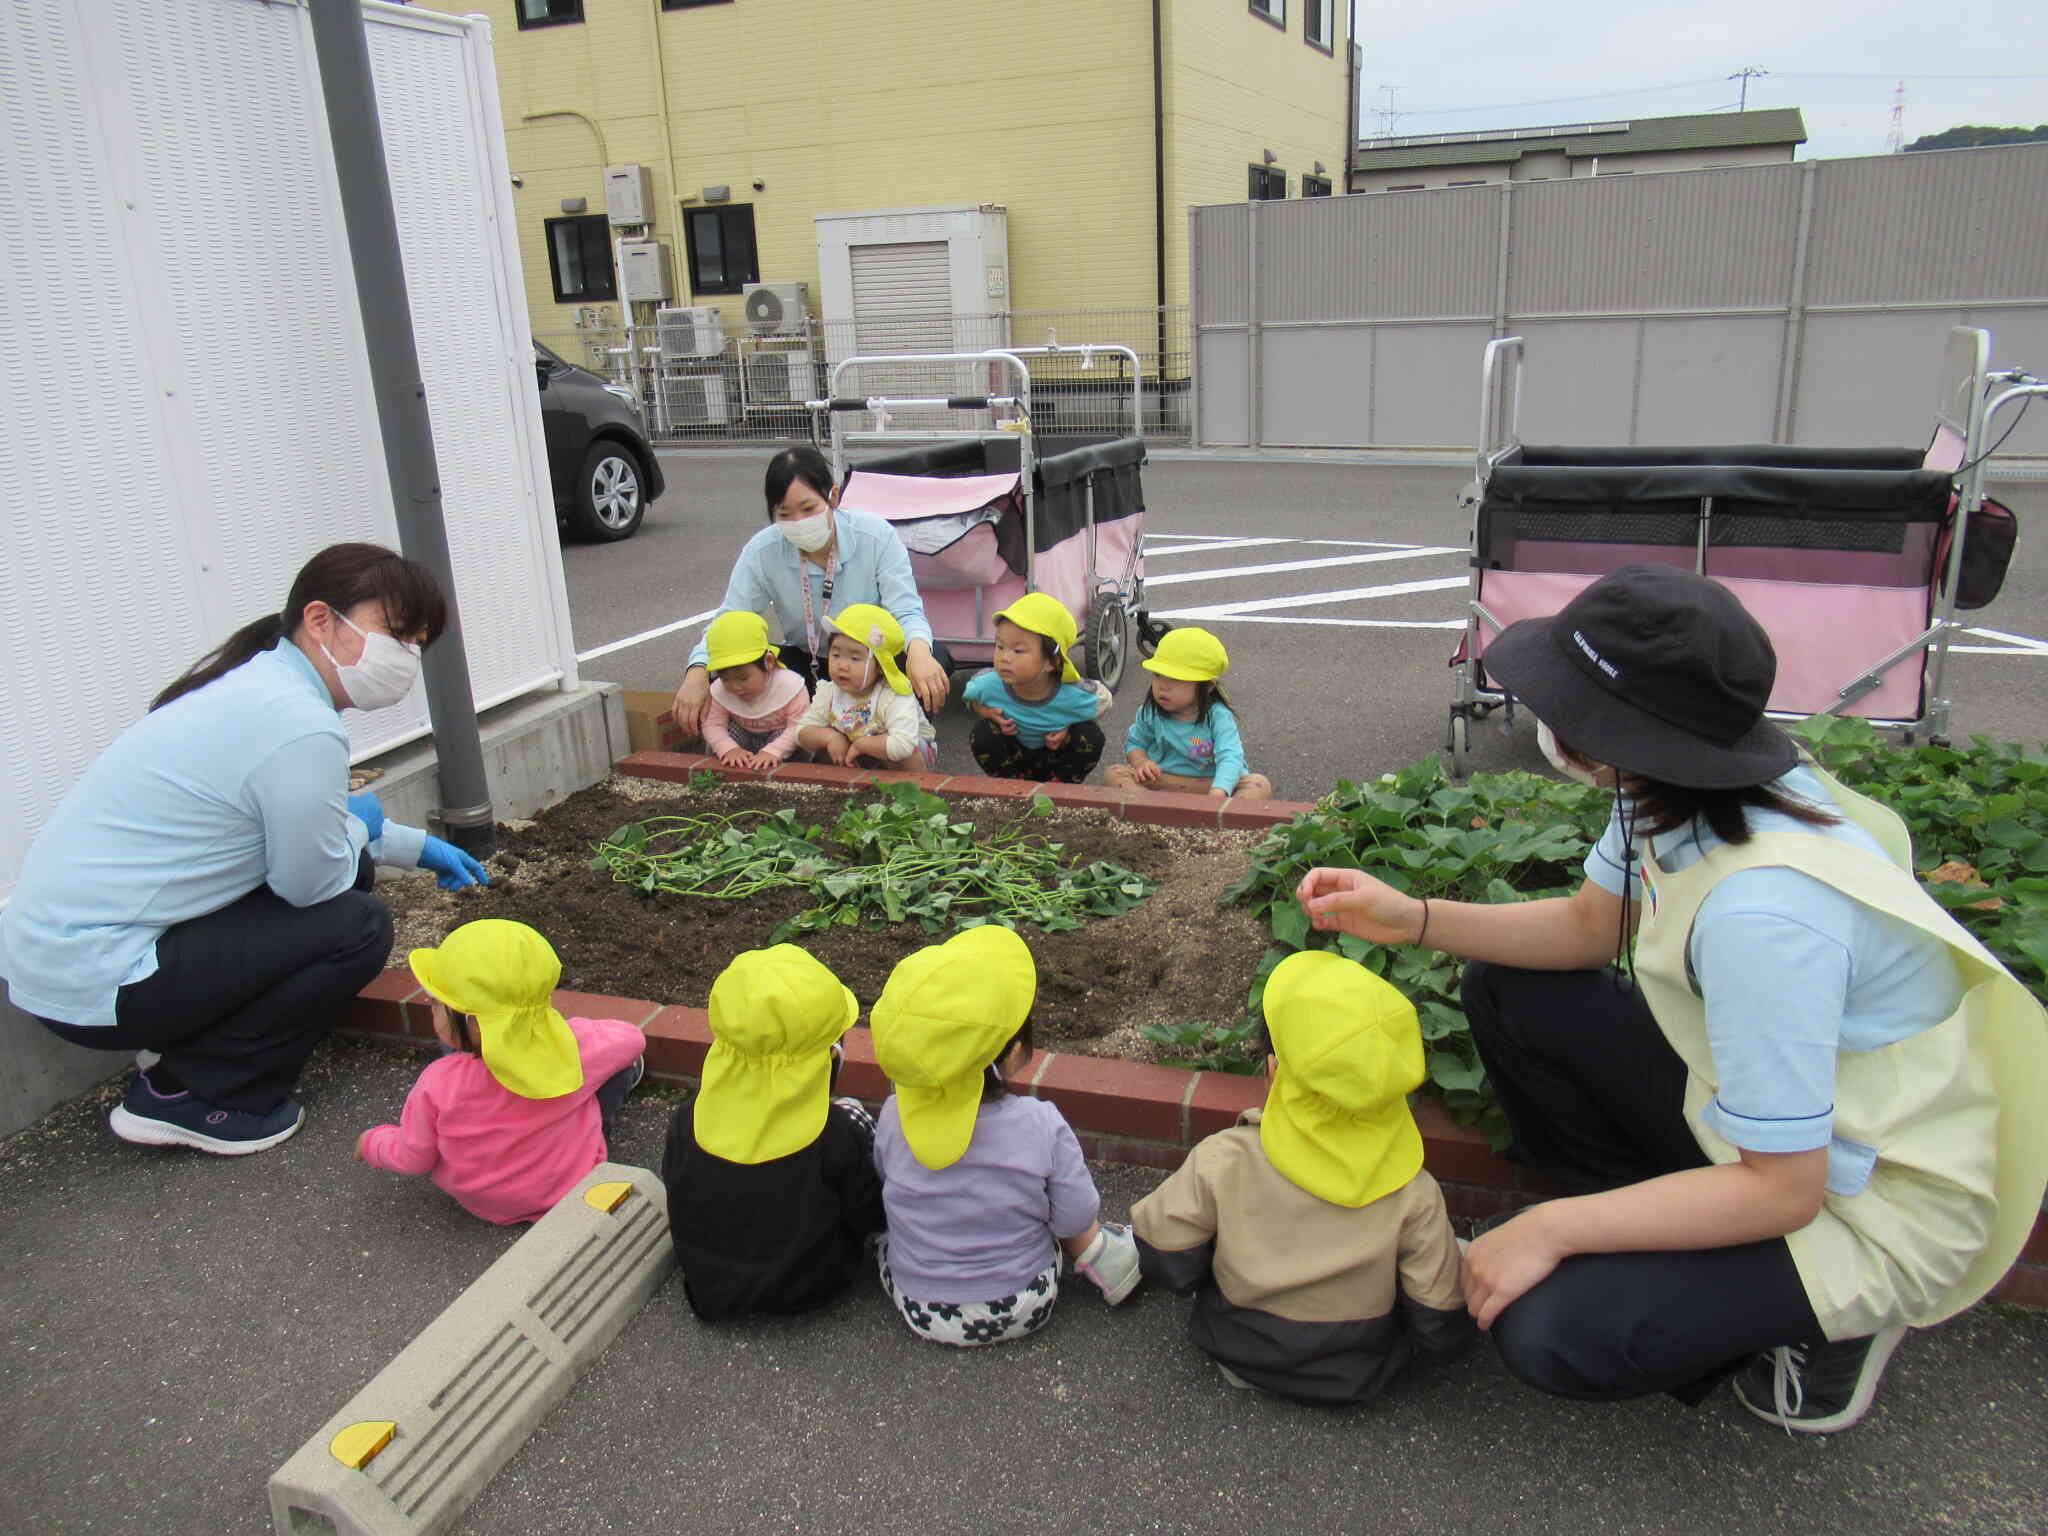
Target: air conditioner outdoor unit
{"x":694,"y":402}
{"x":777,"y":309}
{"x":698,"y":331}
{"x":780,"y":378}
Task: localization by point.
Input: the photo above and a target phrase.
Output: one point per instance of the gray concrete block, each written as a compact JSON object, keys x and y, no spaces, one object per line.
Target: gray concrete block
{"x":38,"y":1071}
{"x":464,"y":1396}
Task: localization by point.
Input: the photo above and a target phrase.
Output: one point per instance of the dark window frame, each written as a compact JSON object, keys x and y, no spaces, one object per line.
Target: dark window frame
{"x":1329,"y":49}
{"x":587,"y":294}
{"x":721,"y":212}
{"x":1259,"y":173}
{"x":690,"y":5}
{"x":1265,"y":11}
{"x":575,"y":7}
{"x":1313,"y":185}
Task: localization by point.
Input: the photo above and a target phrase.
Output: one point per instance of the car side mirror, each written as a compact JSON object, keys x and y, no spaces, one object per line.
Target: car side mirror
{"x":540,"y":368}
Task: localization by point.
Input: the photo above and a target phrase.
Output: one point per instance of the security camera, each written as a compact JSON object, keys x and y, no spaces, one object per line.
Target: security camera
{"x":760,"y":186}
{"x":518,"y":180}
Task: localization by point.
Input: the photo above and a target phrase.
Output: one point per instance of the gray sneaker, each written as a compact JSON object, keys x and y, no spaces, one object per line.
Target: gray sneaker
{"x":1817,"y":1389}
{"x":1111,"y":1262}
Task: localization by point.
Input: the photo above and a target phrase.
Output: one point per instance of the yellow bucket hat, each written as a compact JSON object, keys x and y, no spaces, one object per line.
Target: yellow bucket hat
{"x":768,"y":1078}
{"x":735,"y":639}
{"x":505,"y":975}
{"x":876,"y":628}
{"x":1189,"y":655}
{"x":1044,"y":614}
{"x":946,"y":1013}
{"x":1350,"y":1050}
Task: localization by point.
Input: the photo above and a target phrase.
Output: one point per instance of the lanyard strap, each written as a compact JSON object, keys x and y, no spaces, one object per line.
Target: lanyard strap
{"x":803,"y":580}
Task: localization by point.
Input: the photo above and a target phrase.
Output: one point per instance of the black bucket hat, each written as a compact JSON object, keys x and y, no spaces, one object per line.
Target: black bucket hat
{"x":1657,"y":672}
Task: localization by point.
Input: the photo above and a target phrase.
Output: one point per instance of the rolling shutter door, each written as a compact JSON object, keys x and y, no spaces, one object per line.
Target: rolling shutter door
{"x":902,"y":297}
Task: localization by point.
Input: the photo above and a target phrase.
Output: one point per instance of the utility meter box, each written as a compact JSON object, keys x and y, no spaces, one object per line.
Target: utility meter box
{"x":914,"y":279}
{"x":628,"y":196}
{"x":643,"y":271}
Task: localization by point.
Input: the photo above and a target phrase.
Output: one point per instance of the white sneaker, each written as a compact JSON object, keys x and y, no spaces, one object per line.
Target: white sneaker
{"x":1111,"y":1262}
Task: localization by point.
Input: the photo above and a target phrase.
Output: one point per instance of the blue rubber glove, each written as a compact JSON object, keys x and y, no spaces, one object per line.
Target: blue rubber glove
{"x":369,"y":810}
{"x":453,"y":869}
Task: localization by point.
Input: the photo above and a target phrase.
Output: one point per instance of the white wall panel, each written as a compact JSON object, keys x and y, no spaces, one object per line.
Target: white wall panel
{"x":1709,"y":380}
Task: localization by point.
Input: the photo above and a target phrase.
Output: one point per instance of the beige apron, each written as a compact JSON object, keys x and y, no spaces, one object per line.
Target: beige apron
{"x":1957,"y":1183}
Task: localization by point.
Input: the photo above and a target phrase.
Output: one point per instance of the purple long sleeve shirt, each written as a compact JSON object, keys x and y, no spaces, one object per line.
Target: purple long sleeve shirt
{"x":984,"y":1227}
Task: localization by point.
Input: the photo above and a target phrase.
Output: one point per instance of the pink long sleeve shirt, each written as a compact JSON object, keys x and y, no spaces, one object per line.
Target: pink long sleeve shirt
{"x":504,"y":1158}
{"x":776,"y":713}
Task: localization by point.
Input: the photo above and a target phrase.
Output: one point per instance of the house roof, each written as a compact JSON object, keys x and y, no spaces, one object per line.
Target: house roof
{"x":1705,"y":130}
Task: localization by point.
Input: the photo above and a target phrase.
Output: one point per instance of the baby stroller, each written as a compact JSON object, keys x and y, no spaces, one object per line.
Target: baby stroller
{"x":990,"y":513}
{"x":1854,"y":560}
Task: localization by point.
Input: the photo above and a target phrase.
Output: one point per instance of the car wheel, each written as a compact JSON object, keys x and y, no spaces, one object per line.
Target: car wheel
{"x":611,"y":496}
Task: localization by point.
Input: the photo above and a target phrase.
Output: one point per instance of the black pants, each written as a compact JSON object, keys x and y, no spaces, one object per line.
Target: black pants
{"x":1595,"y":1096}
{"x":1005,"y":757}
{"x":242,"y":996}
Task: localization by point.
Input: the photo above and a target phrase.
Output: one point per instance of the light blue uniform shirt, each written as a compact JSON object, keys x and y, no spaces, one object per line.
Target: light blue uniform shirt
{"x":872,"y":567}
{"x":239,"y":784}
{"x":1792,"y":972}
{"x":1208,"y":748}
{"x":1069,"y":704}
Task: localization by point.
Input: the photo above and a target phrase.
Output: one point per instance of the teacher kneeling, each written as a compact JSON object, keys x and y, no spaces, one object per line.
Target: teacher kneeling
{"x":1810,"y":1120}
{"x":811,"y":561}
{"x":203,"y":893}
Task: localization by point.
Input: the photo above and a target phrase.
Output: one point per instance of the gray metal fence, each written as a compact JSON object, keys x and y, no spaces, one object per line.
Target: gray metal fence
{"x":719,"y":387}
{"x":1803,"y":303}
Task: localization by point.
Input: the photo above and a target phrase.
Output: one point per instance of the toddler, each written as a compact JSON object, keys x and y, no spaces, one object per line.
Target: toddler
{"x":756,"y":702}
{"x":1037,"y":716}
{"x":983,"y":1188}
{"x":518,"y":1110}
{"x":772,"y":1189}
{"x":1184,"y":735}
{"x":864,"y":708}
{"x":1319,"y":1250}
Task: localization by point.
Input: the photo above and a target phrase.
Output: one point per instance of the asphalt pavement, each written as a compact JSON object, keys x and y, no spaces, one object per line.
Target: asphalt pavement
{"x":1332,"y":583}
{"x":177,"y":1325}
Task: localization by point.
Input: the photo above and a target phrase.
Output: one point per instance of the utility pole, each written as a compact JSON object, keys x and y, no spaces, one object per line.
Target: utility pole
{"x":1895,"y":141}
{"x":1745,"y":75}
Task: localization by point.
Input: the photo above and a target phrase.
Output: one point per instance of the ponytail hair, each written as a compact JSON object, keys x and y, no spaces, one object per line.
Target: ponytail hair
{"x":341,"y":576}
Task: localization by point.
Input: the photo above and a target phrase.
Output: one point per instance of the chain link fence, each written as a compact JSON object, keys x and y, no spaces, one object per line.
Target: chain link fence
{"x":700,"y":384}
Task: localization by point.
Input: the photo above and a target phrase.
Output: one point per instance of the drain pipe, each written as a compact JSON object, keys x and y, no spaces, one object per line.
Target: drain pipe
{"x":1159,"y":201}
{"x":358,"y":138}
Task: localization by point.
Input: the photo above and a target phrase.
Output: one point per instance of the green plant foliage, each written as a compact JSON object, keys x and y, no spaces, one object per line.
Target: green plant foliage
{"x":1210,"y":1047}
{"x":1979,"y":820}
{"x":901,"y":858}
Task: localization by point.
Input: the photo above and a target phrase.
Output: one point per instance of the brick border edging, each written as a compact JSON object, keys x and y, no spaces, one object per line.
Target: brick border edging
{"x":1122,"y":1111}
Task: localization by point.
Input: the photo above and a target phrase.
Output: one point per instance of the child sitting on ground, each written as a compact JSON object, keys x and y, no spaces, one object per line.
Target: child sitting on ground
{"x":1319,"y":1250}
{"x":772,"y":1189}
{"x":983,"y":1188}
{"x":1037,"y":716}
{"x":520,"y":1107}
{"x":756,"y":702}
{"x":1184,"y":736}
{"x":864,"y":708}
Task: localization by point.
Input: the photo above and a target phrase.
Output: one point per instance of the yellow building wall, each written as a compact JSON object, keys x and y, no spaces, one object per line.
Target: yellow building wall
{"x":1042,"y":106}
{"x":1236,"y":86}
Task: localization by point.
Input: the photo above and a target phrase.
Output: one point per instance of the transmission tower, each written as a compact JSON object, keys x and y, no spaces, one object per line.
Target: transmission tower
{"x":1389,"y":115}
{"x":1895,"y":141}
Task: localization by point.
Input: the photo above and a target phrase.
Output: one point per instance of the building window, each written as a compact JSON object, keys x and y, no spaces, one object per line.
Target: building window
{"x":1267,"y":184}
{"x":685,"y":5}
{"x":1274,"y":11}
{"x":1315,"y":23}
{"x":580,"y":257}
{"x":1480,"y":183}
{"x":1408,"y":186}
{"x":722,"y":255}
{"x":1315,"y":186}
{"x":548,"y":13}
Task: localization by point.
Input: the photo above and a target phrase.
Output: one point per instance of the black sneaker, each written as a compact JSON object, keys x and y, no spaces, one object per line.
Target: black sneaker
{"x":152,"y":1119}
{"x":1817,"y":1389}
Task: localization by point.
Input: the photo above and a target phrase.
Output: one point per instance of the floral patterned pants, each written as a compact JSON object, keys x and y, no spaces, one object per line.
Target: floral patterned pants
{"x":967,"y":1324}
{"x":1005,"y":757}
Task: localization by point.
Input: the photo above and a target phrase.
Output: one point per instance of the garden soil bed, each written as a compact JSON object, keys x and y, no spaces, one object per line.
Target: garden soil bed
{"x":1176,"y":958}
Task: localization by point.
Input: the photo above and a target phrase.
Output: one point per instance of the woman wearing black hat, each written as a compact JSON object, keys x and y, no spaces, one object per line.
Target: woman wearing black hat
{"x":1783,"y":1128}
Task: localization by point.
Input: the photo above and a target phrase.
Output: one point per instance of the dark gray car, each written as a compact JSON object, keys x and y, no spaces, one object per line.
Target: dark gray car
{"x":603,"y":468}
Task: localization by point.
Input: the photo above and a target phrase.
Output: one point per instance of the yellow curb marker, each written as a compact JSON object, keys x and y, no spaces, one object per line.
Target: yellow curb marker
{"x":356,"y":1445}
{"x":607,"y":1197}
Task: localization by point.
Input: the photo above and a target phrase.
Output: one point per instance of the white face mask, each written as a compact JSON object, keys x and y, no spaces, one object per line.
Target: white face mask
{"x":382,"y":675}
{"x":809,"y":534}
{"x":1547,"y":744}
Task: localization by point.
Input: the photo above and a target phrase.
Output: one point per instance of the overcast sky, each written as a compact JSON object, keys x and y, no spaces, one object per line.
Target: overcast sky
{"x":1461,"y":64}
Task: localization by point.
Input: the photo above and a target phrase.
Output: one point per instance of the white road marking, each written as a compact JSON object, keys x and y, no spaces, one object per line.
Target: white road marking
{"x":2020,"y":642}
{"x":1274,"y":618}
{"x":1299,"y":565}
{"x":645,"y":636}
{"x":1203,"y":549}
{"x":1308,"y":599}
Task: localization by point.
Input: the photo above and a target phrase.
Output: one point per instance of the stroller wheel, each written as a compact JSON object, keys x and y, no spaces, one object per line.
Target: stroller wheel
{"x":1150,"y":632}
{"x":1109,"y":640}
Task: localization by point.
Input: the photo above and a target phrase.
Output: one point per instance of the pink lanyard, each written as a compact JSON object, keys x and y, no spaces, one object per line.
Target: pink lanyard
{"x":803,"y":580}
